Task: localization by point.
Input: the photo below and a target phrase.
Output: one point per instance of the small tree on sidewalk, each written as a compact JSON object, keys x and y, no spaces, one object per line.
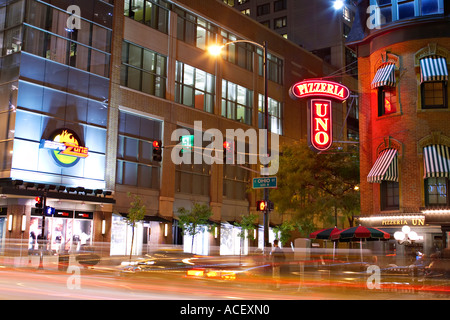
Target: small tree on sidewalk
{"x":247,"y":226}
{"x":193,"y":221}
{"x":136,"y":213}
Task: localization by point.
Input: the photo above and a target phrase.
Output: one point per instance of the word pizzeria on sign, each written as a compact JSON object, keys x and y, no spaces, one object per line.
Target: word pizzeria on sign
{"x":322,"y":88}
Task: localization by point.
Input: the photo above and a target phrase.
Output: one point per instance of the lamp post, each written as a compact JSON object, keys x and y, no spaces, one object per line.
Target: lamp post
{"x":216,"y":50}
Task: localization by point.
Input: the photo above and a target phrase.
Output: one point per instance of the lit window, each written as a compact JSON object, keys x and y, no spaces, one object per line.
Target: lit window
{"x":387,"y":100}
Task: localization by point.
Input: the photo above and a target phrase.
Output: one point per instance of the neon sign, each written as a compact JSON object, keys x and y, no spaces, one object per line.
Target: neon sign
{"x":320,"y":131}
{"x":65,"y":147}
{"x":319,"y":88}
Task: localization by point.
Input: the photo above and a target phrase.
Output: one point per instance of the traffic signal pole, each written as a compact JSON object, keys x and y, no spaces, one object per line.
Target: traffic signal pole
{"x":266,"y":126}
{"x":43,"y":241}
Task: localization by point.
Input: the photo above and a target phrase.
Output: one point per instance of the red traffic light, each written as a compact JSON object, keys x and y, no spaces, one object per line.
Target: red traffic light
{"x":156,"y":144}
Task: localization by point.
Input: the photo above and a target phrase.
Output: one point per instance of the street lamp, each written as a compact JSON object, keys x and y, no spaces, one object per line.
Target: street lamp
{"x":406,"y":236}
{"x":338,"y":4}
{"x":216,"y":50}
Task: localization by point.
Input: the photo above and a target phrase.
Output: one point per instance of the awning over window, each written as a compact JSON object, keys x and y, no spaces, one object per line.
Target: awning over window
{"x":385,"y":76}
{"x":433,"y":68}
{"x":436,"y":161}
{"x":385,"y":167}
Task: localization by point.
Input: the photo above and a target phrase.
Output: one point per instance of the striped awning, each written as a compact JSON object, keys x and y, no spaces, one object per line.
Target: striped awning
{"x":385,"y":76}
{"x":436,"y":161}
{"x":433,"y":68}
{"x":385,"y":167}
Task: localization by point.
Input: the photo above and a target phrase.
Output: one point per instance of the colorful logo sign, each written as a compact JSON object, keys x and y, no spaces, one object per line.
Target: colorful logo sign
{"x":319,"y":88}
{"x":320,"y":131}
{"x":65,"y":147}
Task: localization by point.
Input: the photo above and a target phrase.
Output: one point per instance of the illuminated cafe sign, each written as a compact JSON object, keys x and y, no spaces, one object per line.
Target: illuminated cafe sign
{"x":320,"y":94}
{"x":65,"y":147}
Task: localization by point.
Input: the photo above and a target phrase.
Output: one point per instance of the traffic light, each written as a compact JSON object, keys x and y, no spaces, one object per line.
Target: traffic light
{"x":157,"y":150}
{"x":228,"y":152}
{"x":261,"y":205}
{"x":39,"y":204}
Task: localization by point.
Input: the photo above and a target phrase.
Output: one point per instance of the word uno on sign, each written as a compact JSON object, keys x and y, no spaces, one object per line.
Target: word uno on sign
{"x":319,"y":88}
{"x":320,"y":131}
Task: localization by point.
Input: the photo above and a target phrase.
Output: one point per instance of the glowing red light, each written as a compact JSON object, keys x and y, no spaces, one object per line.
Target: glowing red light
{"x":156,"y":144}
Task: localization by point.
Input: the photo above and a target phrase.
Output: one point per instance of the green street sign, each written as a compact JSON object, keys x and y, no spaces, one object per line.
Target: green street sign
{"x":264,"y":182}
{"x":187,"y":142}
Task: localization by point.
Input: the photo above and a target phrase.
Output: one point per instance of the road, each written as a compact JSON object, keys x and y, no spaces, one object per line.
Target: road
{"x":32,"y":284}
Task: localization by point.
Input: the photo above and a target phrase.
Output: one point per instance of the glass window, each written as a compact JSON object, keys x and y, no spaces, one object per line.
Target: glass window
{"x":14,"y":13}
{"x":143,"y":70}
{"x":275,"y":114}
{"x":263,"y":9}
{"x":153,"y":13}
{"x":434,"y":95}
{"x":405,"y":10}
{"x":436,"y":191}
{"x":280,"y":23}
{"x":387,"y":100}
{"x":236,"y":102}
{"x":194,"y":87}
{"x":389,"y":195}
{"x":135,"y":164}
{"x":431,"y":7}
{"x":235,"y":180}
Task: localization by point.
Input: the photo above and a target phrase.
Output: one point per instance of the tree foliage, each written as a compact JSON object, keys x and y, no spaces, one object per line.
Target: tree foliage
{"x":194,"y":220}
{"x":136,"y":213}
{"x":315,"y":187}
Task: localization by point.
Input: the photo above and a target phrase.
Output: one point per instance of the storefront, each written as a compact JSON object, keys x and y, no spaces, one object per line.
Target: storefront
{"x":66,"y":230}
{"x":411,"y":237}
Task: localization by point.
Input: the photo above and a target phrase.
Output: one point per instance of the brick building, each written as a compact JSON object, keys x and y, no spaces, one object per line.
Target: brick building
{"x":403,"y":55}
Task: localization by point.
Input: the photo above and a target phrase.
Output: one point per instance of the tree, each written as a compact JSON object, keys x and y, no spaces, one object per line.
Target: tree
{"x":193,"y":221}
{"x":136,"y":213}
{"x":247,"y":226}
{"x":317,"y":186}
{"x":284,"y":231}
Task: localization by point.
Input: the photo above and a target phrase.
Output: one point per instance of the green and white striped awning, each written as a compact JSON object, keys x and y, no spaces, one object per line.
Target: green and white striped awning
{"x":433,"y":68}
{"x":385,"y":76}
{"x":436,"y":161}
{"x":385,"y":167}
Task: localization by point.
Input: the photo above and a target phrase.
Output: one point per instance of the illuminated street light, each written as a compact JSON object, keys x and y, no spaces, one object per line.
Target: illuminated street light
{"x":406,"y":236}
{"x":338,"y":4}
{"x":216,"y":50}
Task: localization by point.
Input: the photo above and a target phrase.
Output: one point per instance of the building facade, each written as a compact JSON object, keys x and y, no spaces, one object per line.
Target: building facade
{"x":88,"y":86}
{"x":403,"y":54}
{"x":322,"y":28}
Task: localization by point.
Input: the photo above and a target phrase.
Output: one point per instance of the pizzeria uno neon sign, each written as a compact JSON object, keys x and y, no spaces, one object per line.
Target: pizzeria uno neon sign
{"x":320,"y":126}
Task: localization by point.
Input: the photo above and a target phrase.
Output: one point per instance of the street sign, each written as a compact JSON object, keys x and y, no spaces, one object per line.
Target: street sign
{"x":187,"y":143}
{"x":264,"y":182}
